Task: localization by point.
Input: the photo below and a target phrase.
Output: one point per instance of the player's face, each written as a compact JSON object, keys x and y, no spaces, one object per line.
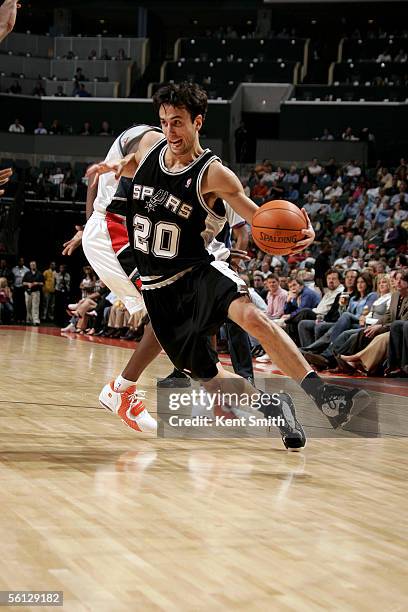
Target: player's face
{"x":178,"y":128}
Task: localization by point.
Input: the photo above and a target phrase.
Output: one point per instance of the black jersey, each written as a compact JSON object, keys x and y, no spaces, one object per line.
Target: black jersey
{"x":169,"y":223}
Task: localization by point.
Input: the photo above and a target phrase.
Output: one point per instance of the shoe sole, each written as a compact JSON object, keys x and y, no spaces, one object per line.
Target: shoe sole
{"x":363,"y":400}
{"x":106,"y":407}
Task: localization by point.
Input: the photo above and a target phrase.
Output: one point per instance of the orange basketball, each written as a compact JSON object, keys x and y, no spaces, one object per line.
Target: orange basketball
{"x":276,"y":227}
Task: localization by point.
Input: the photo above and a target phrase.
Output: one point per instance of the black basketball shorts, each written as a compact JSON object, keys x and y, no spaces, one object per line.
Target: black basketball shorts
{"x":185,"y":313}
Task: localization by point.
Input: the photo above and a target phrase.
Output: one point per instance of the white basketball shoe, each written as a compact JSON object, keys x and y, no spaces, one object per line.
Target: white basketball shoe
{"x":129,"y":407}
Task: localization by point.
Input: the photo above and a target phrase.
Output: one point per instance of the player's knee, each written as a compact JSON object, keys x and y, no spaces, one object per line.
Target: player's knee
{"x":256,"y":323}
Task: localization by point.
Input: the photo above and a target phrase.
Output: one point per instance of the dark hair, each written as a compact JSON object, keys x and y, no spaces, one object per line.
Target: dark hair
{"x":334,"y":271}
{"x":187,"y":95}
{"x":404,"y":274}
{"x":273,"y":276}
{"x":368,"y":279}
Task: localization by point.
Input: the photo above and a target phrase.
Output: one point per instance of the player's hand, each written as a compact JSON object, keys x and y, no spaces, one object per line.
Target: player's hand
{"x":5,"y":177}
{"x":71,"y":245}
{"x":309,"y":235}
{"x":116,"y":166}
{"x":373,"y":330}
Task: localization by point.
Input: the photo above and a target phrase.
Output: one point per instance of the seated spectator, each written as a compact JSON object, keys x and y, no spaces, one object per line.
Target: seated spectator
{"x":348,"y":135}
{"x":276,"y":192}
{"x":82,"y":92}
{"x":86,"y":129}
{"x":121,"y":54}
{"x":56,"y":128}
{"x":38,"y":90}
{"x":400,"y":197}
{"x":40,"y":129}
{"x":327,"y":135}
{"x":351,"y":241}
{"x":336,"y":214}
{"x":331,"y":168}
{"x":16,"y":127}
{"x":68,"y":186}
{"x":105,"y":129}
{"x":298,"y":297}
{"x":6,"y":301}
{"x":349,"y":320}
{"x":15,"y":88}
{"x":88,"y":283}
{"x":276,"y":297}
{"x":60,"y":92}
{"x":292,"y":194}
{"x":259,"y":285}
{"x":79,"y":75}
{"x":352,"y":169}
{"x":93,"y":55}
{"x":315,"y":193}
{"x":46,"y":188}
{"x":314,"y":169}
{"x":292,"y":177}
{"x":334,"y":190}
{"x":70,"y":55}
{"x":105,"y":55}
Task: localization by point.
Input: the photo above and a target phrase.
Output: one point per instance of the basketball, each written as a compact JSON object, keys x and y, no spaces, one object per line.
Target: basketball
{"x":276,"y":227}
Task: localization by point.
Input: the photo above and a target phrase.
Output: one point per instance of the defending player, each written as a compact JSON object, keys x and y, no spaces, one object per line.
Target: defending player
{"x":175,"y":201}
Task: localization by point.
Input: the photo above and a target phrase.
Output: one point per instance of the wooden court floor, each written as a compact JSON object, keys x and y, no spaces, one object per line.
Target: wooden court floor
{"x":125,"y":522}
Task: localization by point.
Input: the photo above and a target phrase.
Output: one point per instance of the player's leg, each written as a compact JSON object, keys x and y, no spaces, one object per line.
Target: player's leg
{"x":103,"y":255}
{"x":337,"y":403}
{"x":229,"y":384}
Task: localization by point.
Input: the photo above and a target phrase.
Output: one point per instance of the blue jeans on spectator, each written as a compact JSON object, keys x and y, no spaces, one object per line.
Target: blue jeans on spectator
{"x":346,"y":321}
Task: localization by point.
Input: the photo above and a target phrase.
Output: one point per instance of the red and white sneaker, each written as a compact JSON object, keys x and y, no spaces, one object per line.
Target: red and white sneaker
{"x":129,"y":406}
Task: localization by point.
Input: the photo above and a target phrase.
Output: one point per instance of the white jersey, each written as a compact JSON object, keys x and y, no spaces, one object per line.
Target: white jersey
{"x":122,"y":146}
{"x":219,"y":249}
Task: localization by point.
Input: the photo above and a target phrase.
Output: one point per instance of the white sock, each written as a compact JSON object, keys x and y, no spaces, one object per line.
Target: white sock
{"x":121,"y":384}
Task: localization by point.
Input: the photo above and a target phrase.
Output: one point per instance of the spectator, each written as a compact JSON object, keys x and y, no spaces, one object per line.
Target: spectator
{"x":258,"y":280}
{"x":19,"y":271}
{"x":348,"y":135}
{"x":276,"y":297}
{"x":299,"y":297}
{"x":33,"y":281}
{"x":315,"y":193}
{"x":241,"y":143}
{"x":385,"y":56}
{"x":351,"y":242}
{"x":6,"y":272}
{"x":50,"y":277}
{"x":62,"y":291}
{"x":353,"y":169}
{"x":56,"y":128}
{"x":327,"y":135}
{"x":93,"y":55}
{"x":330,"y":168}
{"x":292,"y":177}
{"x":314,"y":169}
{"x":16,"y":127}
{"x":121,"y":54}
{"x":82,"y":92}
{"x":334,"y":190}
{"x":40,"y":129}
{"x":79,"y":75}
{"x":6,"y":304}
{"x":38,"y":90}
{"x":60,"y":92}
{"x":105,"y":129}
{"x":15,"y":88}
{"x":68,"y":186}
{"x":87,"y":129}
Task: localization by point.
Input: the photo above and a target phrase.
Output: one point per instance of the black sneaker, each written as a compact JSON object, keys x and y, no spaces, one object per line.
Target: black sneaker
{"x":339,"y":404}
{"x":175,"y":379}
{"x":292,"y":432}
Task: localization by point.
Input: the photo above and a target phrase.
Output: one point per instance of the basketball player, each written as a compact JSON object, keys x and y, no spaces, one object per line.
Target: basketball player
{"x":5,"y":177}
{"x":175,"y":192}
{"x":106,"y":246}
{"x":8,"y":14}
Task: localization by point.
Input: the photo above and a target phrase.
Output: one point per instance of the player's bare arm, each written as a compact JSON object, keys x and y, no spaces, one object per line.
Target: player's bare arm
{"x":8,"y":14}
{"x":220,"y":182}
{"x":126,"y":166}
